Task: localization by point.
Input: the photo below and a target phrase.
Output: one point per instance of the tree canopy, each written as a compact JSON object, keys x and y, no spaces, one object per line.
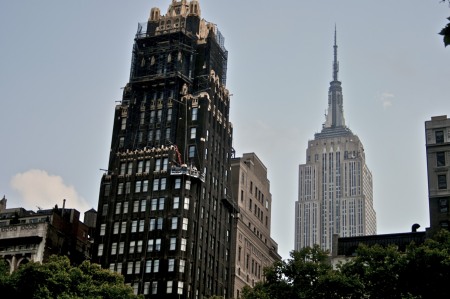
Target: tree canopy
{"x":58,"y":279}
{"x":445,"y":32}
{"x":422,"y":271}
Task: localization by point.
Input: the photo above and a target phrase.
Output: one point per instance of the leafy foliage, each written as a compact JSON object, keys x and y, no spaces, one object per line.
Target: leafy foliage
{"x":422,"y":271}
{"x":58,"y":279}
{"x":445,"y":32}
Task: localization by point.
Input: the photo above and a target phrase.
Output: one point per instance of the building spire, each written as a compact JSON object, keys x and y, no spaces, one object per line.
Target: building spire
{"x":335,"y":62}
{"x":335,"y":114}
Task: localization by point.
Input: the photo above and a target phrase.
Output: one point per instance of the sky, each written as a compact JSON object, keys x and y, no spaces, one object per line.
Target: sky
{"x":63,"y":64}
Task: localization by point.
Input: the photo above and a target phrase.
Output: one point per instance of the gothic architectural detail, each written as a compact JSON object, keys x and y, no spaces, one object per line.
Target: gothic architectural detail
{"x":165,"y":209}
{"x":335,"y":185}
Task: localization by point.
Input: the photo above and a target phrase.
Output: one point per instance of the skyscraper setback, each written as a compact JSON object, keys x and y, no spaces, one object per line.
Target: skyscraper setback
{"x":165,"y":208}
{"x":335,"y":185}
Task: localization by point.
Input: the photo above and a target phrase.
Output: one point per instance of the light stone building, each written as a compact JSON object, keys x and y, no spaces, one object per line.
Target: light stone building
{"x":255,"y":249}
{"x":335,"y":193}
{"x":437,"y":131}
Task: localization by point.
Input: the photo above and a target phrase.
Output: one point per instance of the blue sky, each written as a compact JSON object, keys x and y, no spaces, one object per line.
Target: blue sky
{"x":63,"y":63}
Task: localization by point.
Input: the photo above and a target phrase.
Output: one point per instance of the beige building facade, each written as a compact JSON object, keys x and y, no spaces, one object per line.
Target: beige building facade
{"x":437,"y":131}
{"x":255,"y":249}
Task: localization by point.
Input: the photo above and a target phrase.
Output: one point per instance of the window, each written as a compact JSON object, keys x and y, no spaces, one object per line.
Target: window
{"x":146,"y":287}
{"x":141,"y":225}
{"x":120,"y":189}
{"x":180,"y":288}
{"x":155,"y":184}
{"x":442,"y":181}
{"x":169,"y":287}
{"x":183,"y":244}
{"x":171,"y":266}
{"x":147,"y":166}
{"x":159,"y":115}
{"x":163,"y":184}
{"x":194,"y":115}
{"x":161,"y":204}
{"x":130,"y":168}
{"x":157,"y":164}
{"x":100,"y":250}
{"x":105,"y":209}
{"x":154,"y":204}
{"x":136,"y":287}
{"x":150,"y":245}
{"x":137,"y":187}
{"x":193,"y":133}
{"x":116,"y":228}
{"x":118,"y":207}
{"x":156,"y":266}
{"x":188,"y":185}
{"x":191,"y":151}
{"x":130,"y":268}
{"x":439,"y":136}
{"x":148,"y":266}
{"x":186,"y":203}
{"x":152,"y":224}
{"x":121,"y":141}
{"x":135,"y":206}
{"x":121,"y":247}
{"x":169,"y":114}
{"x":144,"y":185}
{"x":158,"y":245}
{"x":177,"y":183}
{"x":174,"y":224}
{"x":173,"y":243}
{"x":154,"y":287}
{"x":125,"y":207}
{"x":440,"y":159}
{"x":123,"y":124}
{"x":158,"y":135}
{"x":443,"y":205}
{"x":165,"y":163}
{"x":123,"y":229}
{"x":167,"y":133}
{"x":159,"y":223}
{"x":176,"y":202}
{"x":150,"y":136}
{"x":127,"y":187}
{"x":122,"y":168}
{"x":140,"y":166}
{"x":107,"y":189}
{"x":133,"y":226}
{"x":102,"y":229}
{"x":137,"y":267}
{"x":185,"y":224}
{"x":139,"y":246}
{"x":143,"y":205}
{"x":152,"y":116}
{"x":182,"y":266}
{"x":132,"y":246}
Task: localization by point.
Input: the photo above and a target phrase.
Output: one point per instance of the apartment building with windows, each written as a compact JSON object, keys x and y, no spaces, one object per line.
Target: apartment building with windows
{"x":255,"y":249}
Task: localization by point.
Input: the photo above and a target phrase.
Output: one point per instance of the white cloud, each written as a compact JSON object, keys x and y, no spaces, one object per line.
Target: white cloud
{"x":40,"y":189}
{"x":387,"y":99}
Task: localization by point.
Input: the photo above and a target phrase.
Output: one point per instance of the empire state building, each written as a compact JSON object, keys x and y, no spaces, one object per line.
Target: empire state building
{"x":335,"y":194}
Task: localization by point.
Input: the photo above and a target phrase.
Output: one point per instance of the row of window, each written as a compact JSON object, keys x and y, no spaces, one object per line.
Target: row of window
{"x":141,"y":186}
{"x":152,"y":287}
{"x":156,"y":116}
{"x":139,"y":225}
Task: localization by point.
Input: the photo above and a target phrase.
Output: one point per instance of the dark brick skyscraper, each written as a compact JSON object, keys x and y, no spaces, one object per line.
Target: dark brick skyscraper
{"x":165,"y":209}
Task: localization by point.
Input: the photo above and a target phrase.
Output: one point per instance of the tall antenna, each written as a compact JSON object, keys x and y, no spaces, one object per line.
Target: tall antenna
{"x":335,"y":62}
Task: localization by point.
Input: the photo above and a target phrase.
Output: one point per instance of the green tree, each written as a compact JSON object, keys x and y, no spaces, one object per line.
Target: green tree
{"x":307,"y":274}
{"x":445,"y":32}
{"x":58,"y":279}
